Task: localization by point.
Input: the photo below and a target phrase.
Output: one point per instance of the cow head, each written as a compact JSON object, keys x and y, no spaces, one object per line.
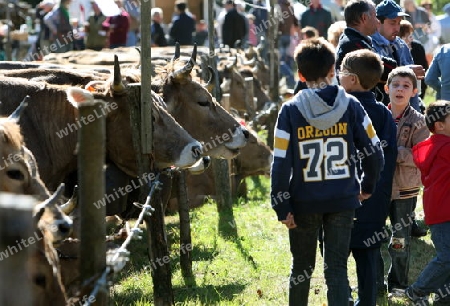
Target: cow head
{"x":193,"y":107}
{"x":54,"y":224}
{"x":43,"y":268}
{"x":173,"y":146}
{"x":18,"y":168}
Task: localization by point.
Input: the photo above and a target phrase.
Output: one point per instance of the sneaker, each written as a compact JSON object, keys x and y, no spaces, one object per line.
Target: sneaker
{"x":418,"y":300}
{"x":416,"y":231}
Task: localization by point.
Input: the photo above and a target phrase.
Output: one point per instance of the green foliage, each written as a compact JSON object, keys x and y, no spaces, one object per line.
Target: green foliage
{"x":240,"y":257}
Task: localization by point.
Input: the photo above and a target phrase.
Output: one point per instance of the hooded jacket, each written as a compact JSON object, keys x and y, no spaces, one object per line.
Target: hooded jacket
{"x":432,"y":157}
{"x":371,"y":216}
{"x":316,"y":138}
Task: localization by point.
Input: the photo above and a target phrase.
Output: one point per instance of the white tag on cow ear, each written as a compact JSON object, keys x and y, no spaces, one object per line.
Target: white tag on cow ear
{"x":77,"y":95}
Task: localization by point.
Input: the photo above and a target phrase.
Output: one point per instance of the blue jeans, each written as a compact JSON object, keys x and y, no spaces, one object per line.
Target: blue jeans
{"x":303,"y":242}
{"x":436,"y":275}
{"x":283,"y":45}
{"x":400,"y":214}
{"x":366,"y":271}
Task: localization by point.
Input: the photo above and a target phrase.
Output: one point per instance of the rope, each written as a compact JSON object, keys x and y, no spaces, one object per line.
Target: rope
{"x":116,"y":259}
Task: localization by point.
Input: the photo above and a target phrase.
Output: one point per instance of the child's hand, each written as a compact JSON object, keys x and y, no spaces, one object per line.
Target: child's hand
{"x":363,"y":196}
{"x":289,"y":222}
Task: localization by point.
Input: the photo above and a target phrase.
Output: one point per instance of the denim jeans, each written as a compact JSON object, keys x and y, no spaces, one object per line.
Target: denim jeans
{"x":283,"y":45}
{"x":366,"y":271}
{"x":303,"y":242}
{"x":435,"y":277}
{"x":400,"y":214}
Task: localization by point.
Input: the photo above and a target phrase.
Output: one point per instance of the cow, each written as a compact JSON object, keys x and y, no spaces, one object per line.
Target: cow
{"x":50,"y":124}
{"x":254,"y":159}
{"x":19,"y":174}
{"x":43,"y":266}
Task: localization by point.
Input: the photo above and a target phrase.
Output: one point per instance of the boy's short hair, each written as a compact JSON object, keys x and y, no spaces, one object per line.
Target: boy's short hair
{"x":436,"y":112}
{"x":310,"y":32}
{"x":403,"y":72}
{"x":366,"y":64}
{"x":315,"y":57}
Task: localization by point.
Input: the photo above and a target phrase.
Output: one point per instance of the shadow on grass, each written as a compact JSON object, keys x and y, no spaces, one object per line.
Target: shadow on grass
{"x":208,"y":294}
{"x":228,"y":230}
{"x":130,"y":297}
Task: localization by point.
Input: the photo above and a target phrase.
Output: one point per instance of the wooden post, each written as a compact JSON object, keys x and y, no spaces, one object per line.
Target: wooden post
{"x":156,"y":231}
{"x":185,"y":227}
{"x":274,"y":76}
{"x":91,"y":156}
{"x":146,"y":78}
{"x":16,"y":235}
{"x":249,"y":103}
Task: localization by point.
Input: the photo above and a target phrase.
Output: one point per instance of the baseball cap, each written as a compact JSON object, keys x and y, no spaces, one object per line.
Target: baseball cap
{"x":389,"y":9}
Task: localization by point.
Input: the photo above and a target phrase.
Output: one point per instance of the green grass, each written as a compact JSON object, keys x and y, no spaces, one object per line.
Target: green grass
{"x":239,"y":258}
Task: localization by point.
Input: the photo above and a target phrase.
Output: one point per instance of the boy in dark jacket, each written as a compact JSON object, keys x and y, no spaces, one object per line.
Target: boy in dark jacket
{"x":359,"y":72}
{"x":313,"y":177}
{"x":432,"y":157}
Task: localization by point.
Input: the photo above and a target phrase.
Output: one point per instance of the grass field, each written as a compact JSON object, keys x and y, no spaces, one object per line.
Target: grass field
{"x":243,"y":259}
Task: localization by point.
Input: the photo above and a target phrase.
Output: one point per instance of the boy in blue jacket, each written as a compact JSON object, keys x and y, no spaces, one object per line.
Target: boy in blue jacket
{"x":360,"y":71}
{"x":313,"y":177}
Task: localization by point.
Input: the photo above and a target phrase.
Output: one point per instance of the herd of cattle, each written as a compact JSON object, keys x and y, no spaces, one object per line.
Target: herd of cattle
{"x":189,"y":127}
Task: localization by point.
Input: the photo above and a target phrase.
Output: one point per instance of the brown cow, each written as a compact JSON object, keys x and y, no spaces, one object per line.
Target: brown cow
{"x":254,"y":159}
{"x":50,"y":125}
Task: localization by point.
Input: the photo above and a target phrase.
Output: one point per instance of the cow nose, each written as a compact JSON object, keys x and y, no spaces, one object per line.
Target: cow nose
{"x":246,"y":133}
{"x":64,"y":227}
{"x":196,"y":151}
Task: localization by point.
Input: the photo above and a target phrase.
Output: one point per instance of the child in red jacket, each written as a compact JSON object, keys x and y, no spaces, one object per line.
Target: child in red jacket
{"x":432,"y":157}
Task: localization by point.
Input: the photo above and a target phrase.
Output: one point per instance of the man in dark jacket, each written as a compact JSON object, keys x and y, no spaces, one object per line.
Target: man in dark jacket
{"x":361,"y":19}
{"x":158,"y":35}
{"x":183,"y":26}
{"x":234,"y":26}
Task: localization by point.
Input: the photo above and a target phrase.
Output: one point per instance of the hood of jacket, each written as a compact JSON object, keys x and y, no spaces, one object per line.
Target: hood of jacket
{"x":425,"y":152}
{"x":320,"y":109}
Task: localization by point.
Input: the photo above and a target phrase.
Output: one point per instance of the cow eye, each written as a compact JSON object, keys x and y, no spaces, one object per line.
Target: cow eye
{"x":40,"y":280}
{"x":15,"y":175}
{"x":204,"y":103}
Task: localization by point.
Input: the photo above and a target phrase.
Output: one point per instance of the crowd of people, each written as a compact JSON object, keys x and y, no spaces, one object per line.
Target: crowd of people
{"x":339,"y":187}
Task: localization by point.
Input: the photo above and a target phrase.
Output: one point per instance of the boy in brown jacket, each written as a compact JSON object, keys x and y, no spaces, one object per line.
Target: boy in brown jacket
{"x":411,"y":129}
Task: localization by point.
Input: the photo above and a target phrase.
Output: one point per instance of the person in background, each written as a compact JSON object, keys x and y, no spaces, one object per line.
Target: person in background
{"x":309,"y":32}
{"x":43,"y":40}
{"x":158,"y":35}
{"x":261,"y":18}
{"x":317,"y":17}
{"x":438,"y":75}
{"x":434,"y":30}
{"x":335,"y":31}
{"x":183,"y":25}
{"x":252,"y":32}
{"x":234,"y":27}
{"x":387,"y":43}
{"x":78,"y":35}
{"x":432,"y":157}
{"x":419,"y":57}
{"x":58,"y":21}
{"x":96,"y":38}
{"x":418,"y":17}
{"x":444,"y":21}
{"x":118,"y":27}
{"x":134,"y":11}
{"x":201,"y":33}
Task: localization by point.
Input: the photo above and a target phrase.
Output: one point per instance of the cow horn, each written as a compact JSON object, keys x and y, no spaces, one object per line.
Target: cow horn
{"x":250,"y":63}
{"x":138,"y":49}
{"x":233,"y":64}
{"x":118,"y":86}
{"x":70,"y":205}
{"x":56,"y":195}
{"x":186,"y":70}
{"x":211,"y":82}
{"x":15,"y":116}
{"x":177,"y":52}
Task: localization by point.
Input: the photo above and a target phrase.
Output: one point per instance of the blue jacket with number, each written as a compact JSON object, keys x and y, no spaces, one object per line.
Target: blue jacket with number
{"x":317,"y":137}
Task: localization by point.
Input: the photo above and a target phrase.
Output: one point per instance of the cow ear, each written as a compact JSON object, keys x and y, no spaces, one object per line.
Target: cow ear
{"x":77,"y":95}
